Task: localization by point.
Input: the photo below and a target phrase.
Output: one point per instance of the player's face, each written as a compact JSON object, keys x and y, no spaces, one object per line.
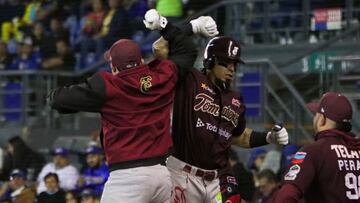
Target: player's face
{"x":225,"y":72}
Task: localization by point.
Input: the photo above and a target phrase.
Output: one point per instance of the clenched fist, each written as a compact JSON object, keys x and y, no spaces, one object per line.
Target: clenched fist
{"x":154,"y":21}
{"x":204,"y":25}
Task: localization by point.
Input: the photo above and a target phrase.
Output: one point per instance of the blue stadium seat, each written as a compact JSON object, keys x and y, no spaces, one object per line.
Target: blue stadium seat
{"x":12,"y":101}
{"x":251,"y":89}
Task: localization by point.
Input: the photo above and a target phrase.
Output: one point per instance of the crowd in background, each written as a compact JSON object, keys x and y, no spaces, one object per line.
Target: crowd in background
{"x":58,"y":177}
{"x":68,"y":35}
{"x":63,"y":35}
{"x":29,"y":176}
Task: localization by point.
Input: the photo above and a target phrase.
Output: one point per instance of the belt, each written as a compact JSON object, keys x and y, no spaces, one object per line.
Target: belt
{"x":206,"y":175}
{"x":138,"y":163}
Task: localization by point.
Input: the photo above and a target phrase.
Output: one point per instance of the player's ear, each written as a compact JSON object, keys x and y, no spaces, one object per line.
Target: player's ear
{"x":322,"y":120}
{"x":114,"y":70}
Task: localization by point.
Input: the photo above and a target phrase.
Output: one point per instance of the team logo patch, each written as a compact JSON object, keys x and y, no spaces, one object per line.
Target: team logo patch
{"x":199,"y":123}
{"x":235,"y":102}
{"x":231,"y":180}
{"x":299,"y":157}
{"x":293,"y":171}
{"x":145,"y":84}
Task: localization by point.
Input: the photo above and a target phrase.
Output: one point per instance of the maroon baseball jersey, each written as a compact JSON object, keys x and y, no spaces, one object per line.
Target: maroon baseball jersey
{"x":327,"y":171}
{"x":204,"y":121}
{"x":135,"y":108}
{"x":136,"y":114}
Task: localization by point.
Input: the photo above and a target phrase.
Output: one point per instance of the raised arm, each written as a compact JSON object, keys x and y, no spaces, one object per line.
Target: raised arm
{"x":88,"y":96}
{"x":176,"y":44}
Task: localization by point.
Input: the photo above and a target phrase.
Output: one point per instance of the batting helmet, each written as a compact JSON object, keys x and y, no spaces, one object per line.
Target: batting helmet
{"x":221,"y":49}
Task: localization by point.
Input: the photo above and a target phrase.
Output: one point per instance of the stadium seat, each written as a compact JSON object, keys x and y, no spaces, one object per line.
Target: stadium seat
{"x":251,"y":87}
{"x":12,"y":101}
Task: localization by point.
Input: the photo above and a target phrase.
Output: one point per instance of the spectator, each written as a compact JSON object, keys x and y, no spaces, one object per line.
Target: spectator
{"x":43,"y":43}
{"x":8,"y":12}
{"x":5,"y":57}
{"x":267,"y":184}
{"x":71,"y":197}
{"x":57,"y":29}
{"x":95,"y":174}
{"x":27,"y":59}
{"x":115,"y":26}
{"x":257,"y":157}
{"x":91,"y":27}
{"x":17,"y":191}
{"x":22,"y":157}
{"x":88,"y":196}
{"x":243,"y":177}
{"x":53,"y":193}
{"x":271,"y":161}
{"x":17,"y":25}
{"x":93,"y":21}
{"x":68,"y":174}
{"x":63,"y":60}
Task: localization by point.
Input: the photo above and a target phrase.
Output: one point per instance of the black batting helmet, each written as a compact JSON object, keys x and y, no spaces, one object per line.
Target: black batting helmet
{"x":221,"y":49}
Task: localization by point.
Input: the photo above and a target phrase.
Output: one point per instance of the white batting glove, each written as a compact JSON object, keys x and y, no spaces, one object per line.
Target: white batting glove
{"x":154,"y":21}
{"x":204,"y":25}
{"x":278,"y":136}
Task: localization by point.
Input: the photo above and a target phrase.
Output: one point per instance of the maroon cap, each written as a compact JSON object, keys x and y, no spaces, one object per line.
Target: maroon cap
{"x":124,"y":54}
{"x":334,"y":106}
{"x":223,"y":48}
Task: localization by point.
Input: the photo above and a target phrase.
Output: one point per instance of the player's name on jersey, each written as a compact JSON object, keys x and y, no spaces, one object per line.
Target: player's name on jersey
{"x":343,"y":152}
{"x":349,"y":158}
{"x":349,"y":165}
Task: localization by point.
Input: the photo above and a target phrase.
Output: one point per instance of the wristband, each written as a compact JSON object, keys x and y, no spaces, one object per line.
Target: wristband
{"x":258,"y":139}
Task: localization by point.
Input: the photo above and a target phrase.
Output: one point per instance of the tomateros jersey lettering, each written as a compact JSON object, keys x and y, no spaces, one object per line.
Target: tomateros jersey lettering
{"x":328,"y":170}
{"x":136,"y":114}
{"x":204,"y":121}
{"x":205,"y":104}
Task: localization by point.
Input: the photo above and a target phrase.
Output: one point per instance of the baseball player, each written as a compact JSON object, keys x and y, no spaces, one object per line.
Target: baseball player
{"x":207,"y":118}
{"x":328,"y":170}
{"x":134,"y":101}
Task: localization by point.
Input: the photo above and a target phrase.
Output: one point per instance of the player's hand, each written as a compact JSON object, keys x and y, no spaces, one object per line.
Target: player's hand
{"x":204,"y":25}
{"x":154,"y":21}
{"x":278,"y":135}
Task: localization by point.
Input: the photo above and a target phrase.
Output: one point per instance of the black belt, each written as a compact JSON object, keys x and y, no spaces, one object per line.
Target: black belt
{"x":206,"y":175}
{"x":138,"y":163}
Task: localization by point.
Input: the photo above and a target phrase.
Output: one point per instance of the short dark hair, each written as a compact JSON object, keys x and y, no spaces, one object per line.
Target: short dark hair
{"x":268,"y":174}
{"x":344,"y":126}
{"x":49,"y":175}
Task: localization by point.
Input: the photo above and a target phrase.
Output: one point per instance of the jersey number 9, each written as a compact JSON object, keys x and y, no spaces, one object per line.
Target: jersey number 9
{"x":353,"y":184}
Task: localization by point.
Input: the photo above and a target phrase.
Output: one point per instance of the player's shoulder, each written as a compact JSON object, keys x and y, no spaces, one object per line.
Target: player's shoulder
{"x":317,"y":148}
